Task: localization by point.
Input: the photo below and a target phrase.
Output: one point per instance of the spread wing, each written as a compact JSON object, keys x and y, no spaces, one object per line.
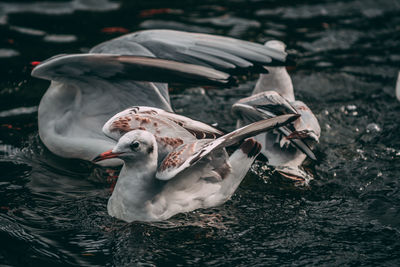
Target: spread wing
{"x":198,"y":129}
{"x":115,"y":68}
{"x":223,"y":53}
{"x":170,"y":130}
{"x":187,"y":155}
{"x":159,"y":122}
{"x":121,"y":77}
{"x":270,"y":104}
{"x":85,"y":67}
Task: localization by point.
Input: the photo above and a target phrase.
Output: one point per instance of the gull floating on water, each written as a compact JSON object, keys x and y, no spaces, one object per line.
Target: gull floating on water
{"x":195,"y":174}
{"x":87,"y":89}
{"x":287,"y":147}
{"x":170,"y":130}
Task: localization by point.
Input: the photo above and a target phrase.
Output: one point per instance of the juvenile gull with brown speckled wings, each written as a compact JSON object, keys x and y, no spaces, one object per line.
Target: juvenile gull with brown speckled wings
{"x":196,"y":174}
{"x":169,"y":129}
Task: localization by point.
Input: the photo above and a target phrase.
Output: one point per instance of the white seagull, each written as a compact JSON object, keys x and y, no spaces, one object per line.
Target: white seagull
{"x":285,"y":148}
{"x":87,"y":89}
{"x":170,"y":130}
{"x":196,"y":174}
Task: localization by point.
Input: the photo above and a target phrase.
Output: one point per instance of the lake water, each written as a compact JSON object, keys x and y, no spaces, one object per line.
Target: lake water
{"x":53,"y":211}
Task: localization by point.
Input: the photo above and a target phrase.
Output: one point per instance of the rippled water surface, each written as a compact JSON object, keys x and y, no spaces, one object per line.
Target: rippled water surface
{"x":53,"y":211}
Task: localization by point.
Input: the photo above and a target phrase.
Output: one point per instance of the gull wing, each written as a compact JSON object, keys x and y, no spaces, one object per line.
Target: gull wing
{"x":120,"y":67}
{"x":198,"y":129}
{"x":222,"y":53}
{"x":308,"y":123}
{"x":270,"y":104}
{"x":170,"y":130}
{"x":159,"y":122}
{"x":187,"y":155}
{"x":119,"y":79}
{"x":259,"y":106}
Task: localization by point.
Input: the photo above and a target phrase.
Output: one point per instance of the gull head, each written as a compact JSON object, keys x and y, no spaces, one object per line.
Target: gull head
{"x":275,"y":44}
{"x":134,"y":145}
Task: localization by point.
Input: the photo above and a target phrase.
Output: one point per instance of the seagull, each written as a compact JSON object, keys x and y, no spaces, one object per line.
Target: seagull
{"x":170,"y":130}
{"x":195,"y":174}
{"x":132,"y":70}
{"x":287,"y":147}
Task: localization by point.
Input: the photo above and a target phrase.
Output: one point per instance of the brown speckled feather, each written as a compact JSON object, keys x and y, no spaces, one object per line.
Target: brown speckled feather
{"x":190,"y":153}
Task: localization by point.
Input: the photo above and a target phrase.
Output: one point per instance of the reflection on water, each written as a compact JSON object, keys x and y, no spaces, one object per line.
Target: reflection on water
{"x":53,"y":211}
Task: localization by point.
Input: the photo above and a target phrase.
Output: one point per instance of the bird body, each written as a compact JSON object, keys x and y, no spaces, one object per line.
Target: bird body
{"x":142,"y":197}
{"x":287,"y":147}
{"x":197,"y":174}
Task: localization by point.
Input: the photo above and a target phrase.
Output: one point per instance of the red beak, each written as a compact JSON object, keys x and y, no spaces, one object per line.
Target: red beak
{"x":106,"y":155}
{"x":35,"y":63}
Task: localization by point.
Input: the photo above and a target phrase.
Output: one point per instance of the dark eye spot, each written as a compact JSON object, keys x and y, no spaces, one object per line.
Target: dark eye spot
{"x":134,"y":145}
{"x":150,"y":149}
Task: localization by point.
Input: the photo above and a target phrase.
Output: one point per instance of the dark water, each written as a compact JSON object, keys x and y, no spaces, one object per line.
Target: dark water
{"x":53,"y":211}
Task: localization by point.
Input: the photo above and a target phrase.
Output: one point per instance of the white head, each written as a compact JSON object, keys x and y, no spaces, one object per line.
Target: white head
{"x":277,"y":79}
{"x":275,"y":44}
{"x":134,"y":145}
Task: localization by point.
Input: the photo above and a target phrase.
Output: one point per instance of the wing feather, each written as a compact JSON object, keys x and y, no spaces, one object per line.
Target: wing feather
{"x":119,"y":67}
{"x":187,"y":155}
{"x":159,"y":122}
{"x":270,"y":104}
{"x":223,"y":53}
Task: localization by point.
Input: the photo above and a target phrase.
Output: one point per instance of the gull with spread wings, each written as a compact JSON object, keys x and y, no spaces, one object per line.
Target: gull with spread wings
{"x":135,"y":69}
{"x":196,"y":173}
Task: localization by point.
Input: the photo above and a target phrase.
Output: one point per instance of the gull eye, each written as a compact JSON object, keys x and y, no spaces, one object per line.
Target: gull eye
{"x":134,"y":145}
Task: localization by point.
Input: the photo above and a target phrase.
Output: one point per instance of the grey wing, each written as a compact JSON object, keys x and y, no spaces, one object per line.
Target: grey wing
{"x":223,"y":53}
{"x":268,"y":105}
{"x":187,"y":155}
{"x":261,"y":106}
{"x":122,"y":67}
{"x":105,"y":73}
{"x":120,"y":46}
